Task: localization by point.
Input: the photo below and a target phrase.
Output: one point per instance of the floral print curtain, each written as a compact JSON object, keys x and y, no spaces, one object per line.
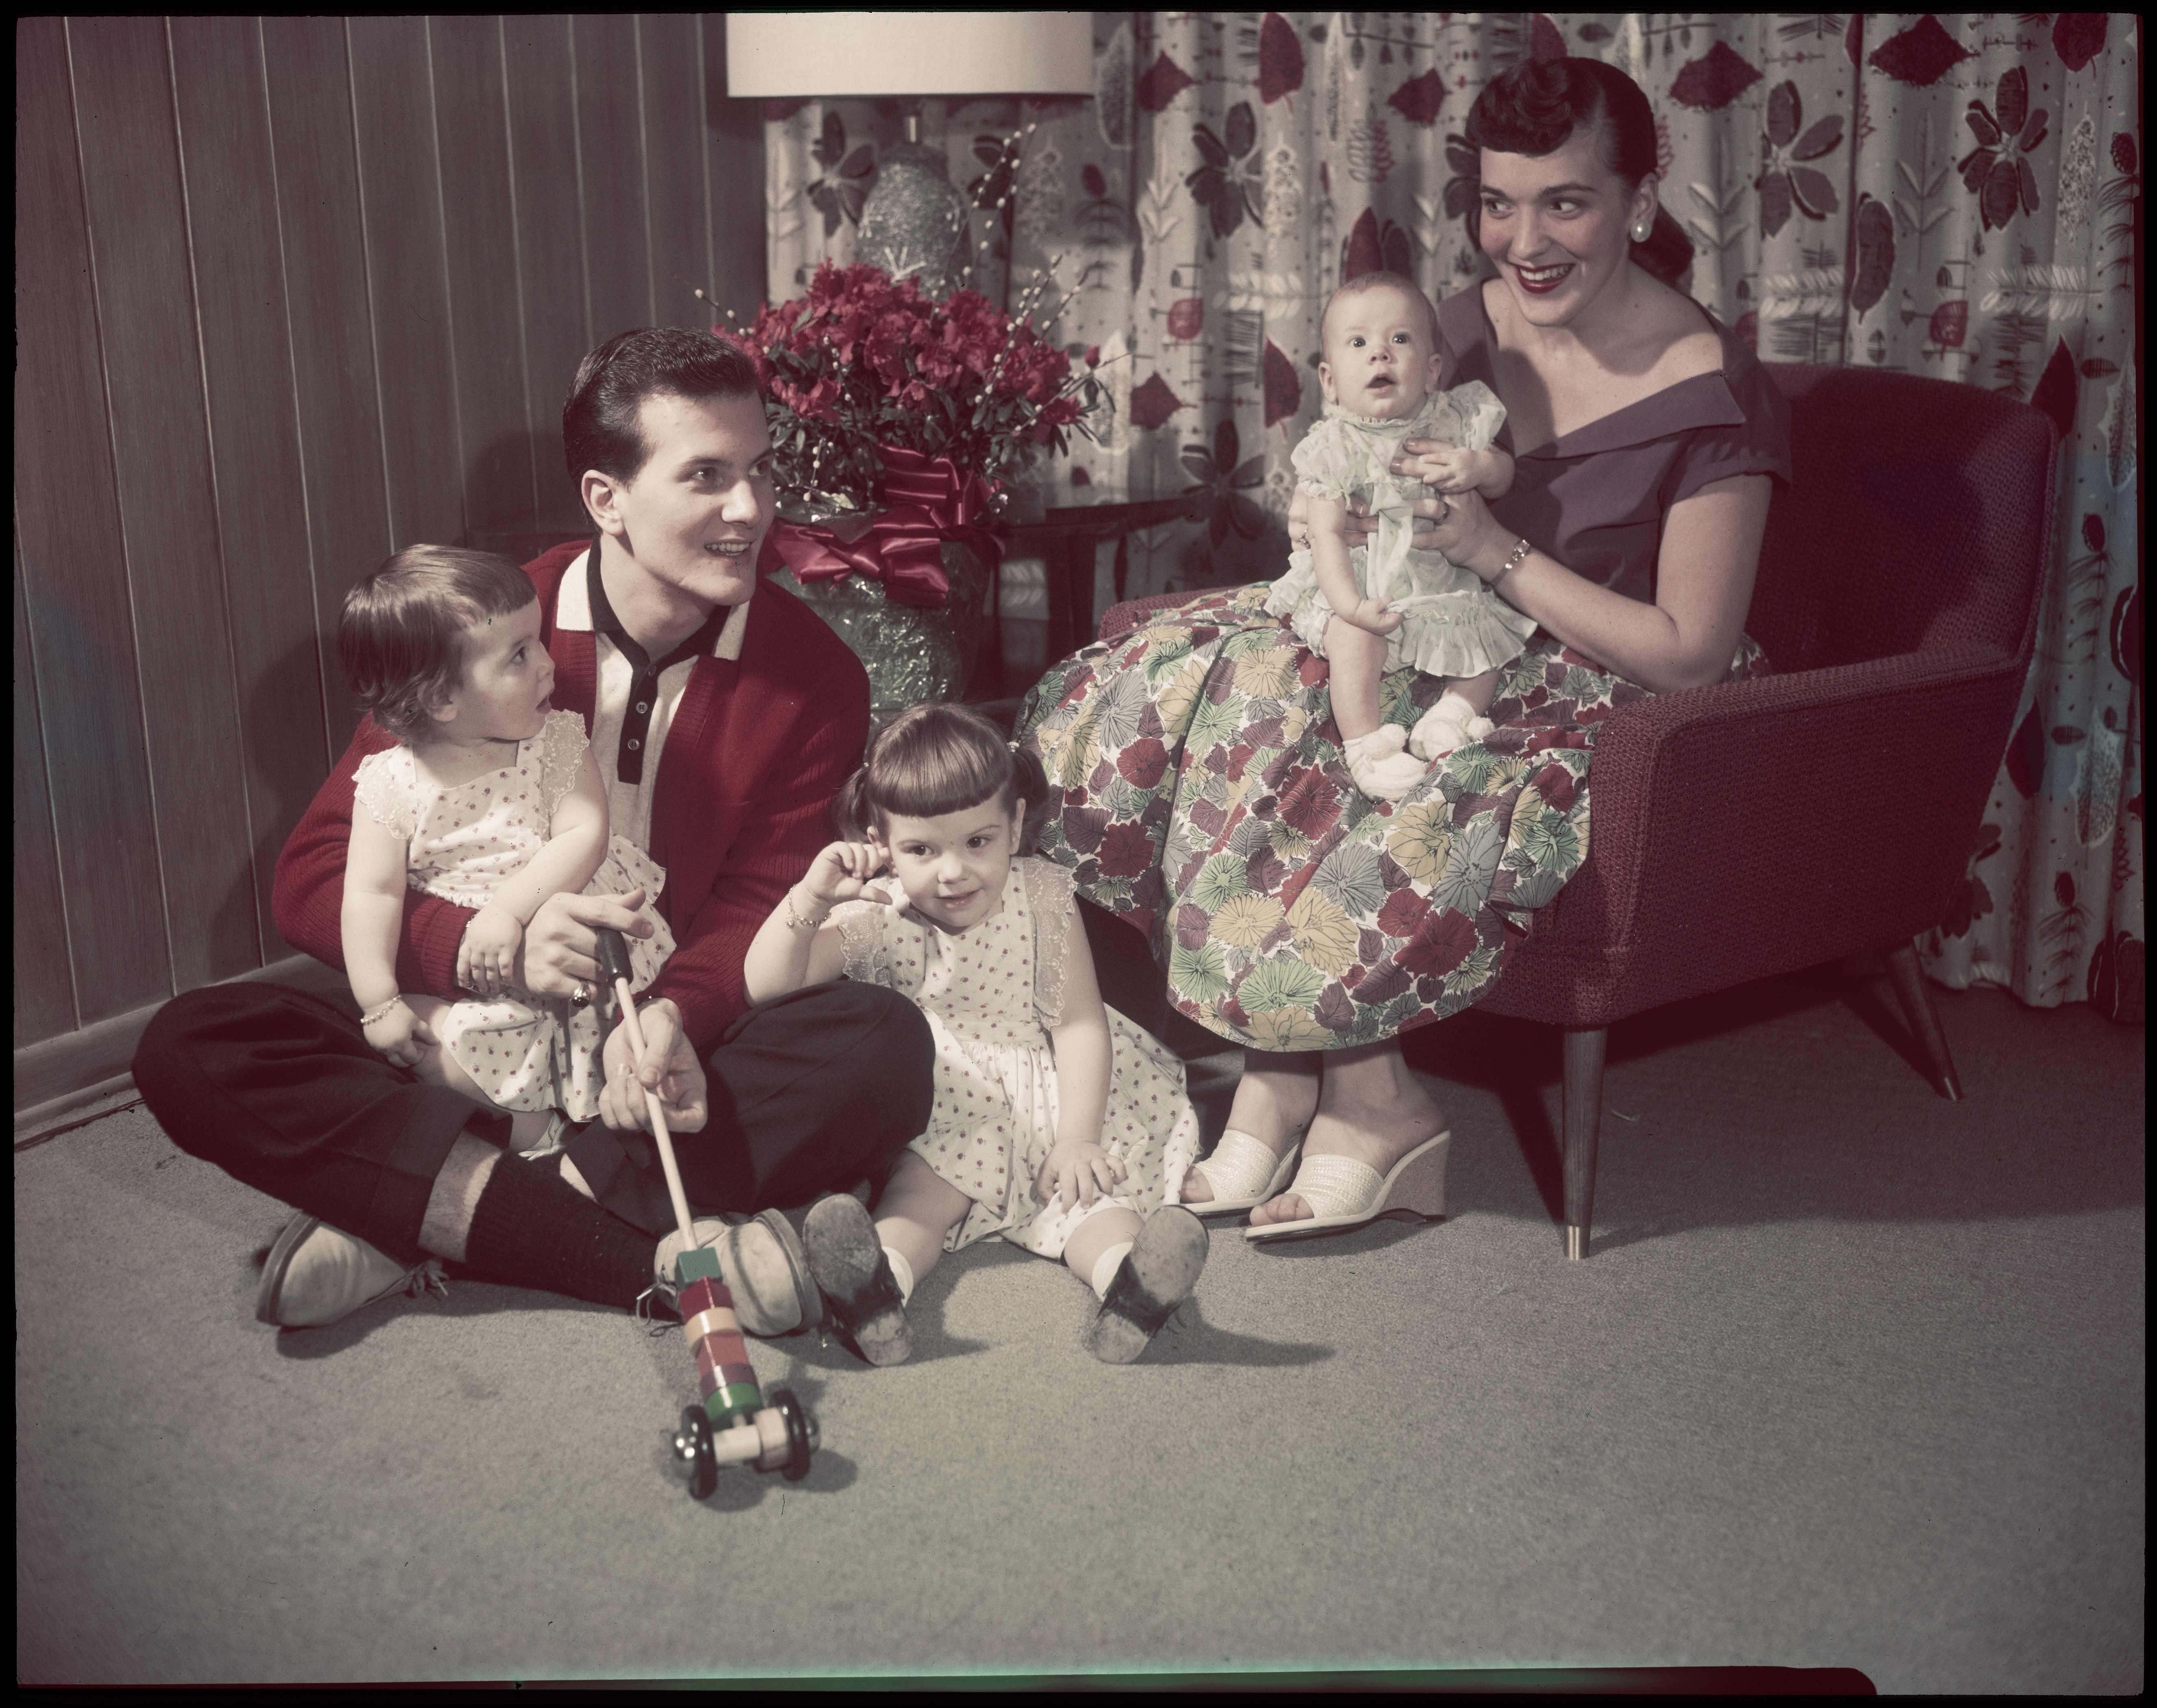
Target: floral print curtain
{"x":1952,"y":195}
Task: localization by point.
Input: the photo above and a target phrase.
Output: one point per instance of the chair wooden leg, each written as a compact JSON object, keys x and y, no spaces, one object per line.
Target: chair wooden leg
{"x":1923,"y":1021}
{"x":1582,"y":1115}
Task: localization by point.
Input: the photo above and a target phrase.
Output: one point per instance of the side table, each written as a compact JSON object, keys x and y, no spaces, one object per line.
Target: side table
{"x":1065,"y":538}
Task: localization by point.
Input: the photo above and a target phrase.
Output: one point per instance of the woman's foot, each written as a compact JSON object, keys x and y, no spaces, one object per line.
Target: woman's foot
{"x":1274,"y":1102}
{"x":1371,"y":1110}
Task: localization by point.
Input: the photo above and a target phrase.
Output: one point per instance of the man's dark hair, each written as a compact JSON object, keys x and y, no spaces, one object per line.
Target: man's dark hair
{"x":599,"y":421}
{"x":1535,"y":109}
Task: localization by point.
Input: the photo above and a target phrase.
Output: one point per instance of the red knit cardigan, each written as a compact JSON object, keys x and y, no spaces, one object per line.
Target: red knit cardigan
{"x":755,"y":754}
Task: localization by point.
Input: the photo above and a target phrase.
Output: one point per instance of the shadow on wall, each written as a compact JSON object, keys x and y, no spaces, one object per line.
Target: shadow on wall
{"x":305,"y":674}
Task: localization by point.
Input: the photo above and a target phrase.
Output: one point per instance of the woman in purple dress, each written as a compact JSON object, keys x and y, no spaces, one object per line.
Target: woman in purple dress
{"x":1198,"y":787}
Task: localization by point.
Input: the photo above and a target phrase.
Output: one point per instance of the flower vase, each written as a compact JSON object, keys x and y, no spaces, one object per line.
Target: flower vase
{"x":913,"y":653}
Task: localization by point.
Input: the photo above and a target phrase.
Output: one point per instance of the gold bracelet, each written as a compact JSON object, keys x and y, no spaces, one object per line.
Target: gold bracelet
{"x":1512,"y":562}
{"x":793,"y":921}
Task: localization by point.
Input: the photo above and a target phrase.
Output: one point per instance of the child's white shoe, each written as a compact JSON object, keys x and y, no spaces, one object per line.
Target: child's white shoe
{"x":1381,"y":769}
{"x":1451,"y":724}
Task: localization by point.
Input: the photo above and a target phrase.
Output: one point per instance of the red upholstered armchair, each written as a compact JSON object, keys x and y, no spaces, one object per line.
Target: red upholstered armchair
{"x":1752,"y":829}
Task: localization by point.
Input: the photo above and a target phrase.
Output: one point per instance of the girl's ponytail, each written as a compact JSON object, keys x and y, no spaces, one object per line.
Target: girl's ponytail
{"x":1030,"y":783}
{"x":851,"y":811}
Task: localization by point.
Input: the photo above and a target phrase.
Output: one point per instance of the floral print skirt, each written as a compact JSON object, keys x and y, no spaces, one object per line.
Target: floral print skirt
{"x":1197,"y":788}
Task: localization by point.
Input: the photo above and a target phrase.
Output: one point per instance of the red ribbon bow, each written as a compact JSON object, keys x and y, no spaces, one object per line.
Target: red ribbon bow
{"x":924,"y":504}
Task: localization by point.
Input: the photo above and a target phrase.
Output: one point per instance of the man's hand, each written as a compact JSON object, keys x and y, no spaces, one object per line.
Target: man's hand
{"x":486,"y":957}
{"x":668,"y":1066}
{"x":561,"y":950}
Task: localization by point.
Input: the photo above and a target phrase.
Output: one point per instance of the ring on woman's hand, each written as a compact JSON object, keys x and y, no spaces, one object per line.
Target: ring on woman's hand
{"x":582,"y":995}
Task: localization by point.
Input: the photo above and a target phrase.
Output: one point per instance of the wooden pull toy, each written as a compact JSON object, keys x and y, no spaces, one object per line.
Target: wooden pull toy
{"x":732,"y":1426}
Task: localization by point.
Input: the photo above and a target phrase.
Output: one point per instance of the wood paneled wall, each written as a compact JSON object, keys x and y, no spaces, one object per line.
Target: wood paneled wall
{"x":294,"y":293}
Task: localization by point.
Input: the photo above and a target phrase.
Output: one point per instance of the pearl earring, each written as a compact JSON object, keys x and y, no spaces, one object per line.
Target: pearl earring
{"x":1641,"y":229}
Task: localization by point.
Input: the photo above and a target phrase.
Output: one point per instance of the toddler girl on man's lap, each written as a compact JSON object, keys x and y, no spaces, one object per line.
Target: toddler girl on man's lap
{"x":490,"y":800}
{"x":1371,"y":609}
{"x":1057,"y":1123}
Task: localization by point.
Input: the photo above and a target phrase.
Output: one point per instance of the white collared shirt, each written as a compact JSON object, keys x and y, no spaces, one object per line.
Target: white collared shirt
{"x":629,"y":805}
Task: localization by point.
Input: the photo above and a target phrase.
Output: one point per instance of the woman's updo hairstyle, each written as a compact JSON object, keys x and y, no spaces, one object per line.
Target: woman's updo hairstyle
{"x":934,"y":760}
{"x":1535,"y":108}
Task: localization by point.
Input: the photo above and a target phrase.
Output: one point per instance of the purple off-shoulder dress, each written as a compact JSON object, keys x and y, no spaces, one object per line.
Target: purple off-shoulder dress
{"x":1595,"y":499}
{"x":1197,"y":786}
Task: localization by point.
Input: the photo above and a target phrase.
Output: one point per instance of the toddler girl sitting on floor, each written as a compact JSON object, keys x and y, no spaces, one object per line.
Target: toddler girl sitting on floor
{"x":1058,"y":1123}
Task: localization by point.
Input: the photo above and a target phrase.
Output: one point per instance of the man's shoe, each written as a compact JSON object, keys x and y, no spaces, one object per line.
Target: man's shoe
{"x":762,"y":1262}
{"x":315,"y":1274}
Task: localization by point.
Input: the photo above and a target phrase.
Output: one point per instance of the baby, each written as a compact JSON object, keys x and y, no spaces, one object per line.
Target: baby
{"x":1369,"y":610}
{"x":490,"y":800}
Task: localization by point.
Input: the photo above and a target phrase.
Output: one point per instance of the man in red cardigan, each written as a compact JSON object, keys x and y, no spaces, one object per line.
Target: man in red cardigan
{"x":722,"y":724}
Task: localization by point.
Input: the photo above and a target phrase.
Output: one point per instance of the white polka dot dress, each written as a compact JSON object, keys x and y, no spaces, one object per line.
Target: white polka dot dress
{"x":990,"y":992}
{"x":461,"y":844}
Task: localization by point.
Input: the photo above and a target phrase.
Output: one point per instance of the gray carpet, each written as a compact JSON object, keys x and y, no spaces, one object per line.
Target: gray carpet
{"x":1855,"y":1378}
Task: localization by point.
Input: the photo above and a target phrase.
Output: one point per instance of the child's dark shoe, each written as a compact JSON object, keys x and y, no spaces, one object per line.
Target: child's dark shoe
{"x":1156,"y":1275}
{"x":863,"y":1295}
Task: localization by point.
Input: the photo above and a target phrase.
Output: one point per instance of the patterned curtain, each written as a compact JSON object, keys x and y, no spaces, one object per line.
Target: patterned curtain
{"x":1950,"y":194}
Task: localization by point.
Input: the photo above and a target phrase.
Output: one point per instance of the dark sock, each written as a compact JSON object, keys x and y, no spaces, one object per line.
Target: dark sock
{"x":532,"y":1228}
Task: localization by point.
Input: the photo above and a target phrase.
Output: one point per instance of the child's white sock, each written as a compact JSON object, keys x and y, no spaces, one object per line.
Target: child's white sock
{"x":901,"y":1272}
{"x":1105,"y":1266}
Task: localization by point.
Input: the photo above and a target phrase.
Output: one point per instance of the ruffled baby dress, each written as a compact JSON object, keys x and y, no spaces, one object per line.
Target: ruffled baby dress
{"x":461,"y":844}
{"x":990,"y":993}
{"x":1455,"y":626}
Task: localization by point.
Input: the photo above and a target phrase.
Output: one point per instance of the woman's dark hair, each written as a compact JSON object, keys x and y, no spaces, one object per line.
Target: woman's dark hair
{"x":934,"y":760}
{"x":600,"y":428}
{"x":1535,"y":108}
{"x":401,"y":635}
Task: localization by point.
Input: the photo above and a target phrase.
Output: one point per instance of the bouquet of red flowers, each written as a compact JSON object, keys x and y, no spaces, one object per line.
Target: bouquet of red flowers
{"x":862,"y":364}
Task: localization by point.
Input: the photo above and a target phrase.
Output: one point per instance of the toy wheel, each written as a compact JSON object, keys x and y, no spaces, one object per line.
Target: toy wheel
{"x":801,"y":1434}
{"x":693,"y":1446}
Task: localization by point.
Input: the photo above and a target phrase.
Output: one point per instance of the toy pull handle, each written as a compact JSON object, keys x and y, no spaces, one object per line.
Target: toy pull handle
{"x":613,"y":959}
{"x":613,"y":955}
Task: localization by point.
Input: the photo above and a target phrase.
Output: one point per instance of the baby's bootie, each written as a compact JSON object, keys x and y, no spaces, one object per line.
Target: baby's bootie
{"x":1381,"y":769}
{"x":849,"y":1264}
{"x":1451,"y":724}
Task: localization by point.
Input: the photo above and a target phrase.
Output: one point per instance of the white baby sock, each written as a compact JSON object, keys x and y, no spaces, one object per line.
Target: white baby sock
{"x":901,"y":1272}
{"x":1105,"y":1266}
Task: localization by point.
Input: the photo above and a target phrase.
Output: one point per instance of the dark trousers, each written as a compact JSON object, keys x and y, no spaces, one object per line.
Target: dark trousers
{"x":279,"y":1089}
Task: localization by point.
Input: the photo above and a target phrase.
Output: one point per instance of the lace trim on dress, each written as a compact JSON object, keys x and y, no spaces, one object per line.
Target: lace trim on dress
{"x":1397,"y":424}
{"x":1049,"y":898}
{"x":860,"y":935}
{"x":562,"y":744}
{"x":388,"y":787}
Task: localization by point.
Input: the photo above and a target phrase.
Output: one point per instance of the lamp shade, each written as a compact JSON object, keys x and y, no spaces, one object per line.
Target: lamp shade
{"x":827,"y":54}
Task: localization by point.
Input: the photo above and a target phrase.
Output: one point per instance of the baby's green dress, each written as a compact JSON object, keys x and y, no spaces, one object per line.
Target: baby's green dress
{"x":1455,"y":625}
